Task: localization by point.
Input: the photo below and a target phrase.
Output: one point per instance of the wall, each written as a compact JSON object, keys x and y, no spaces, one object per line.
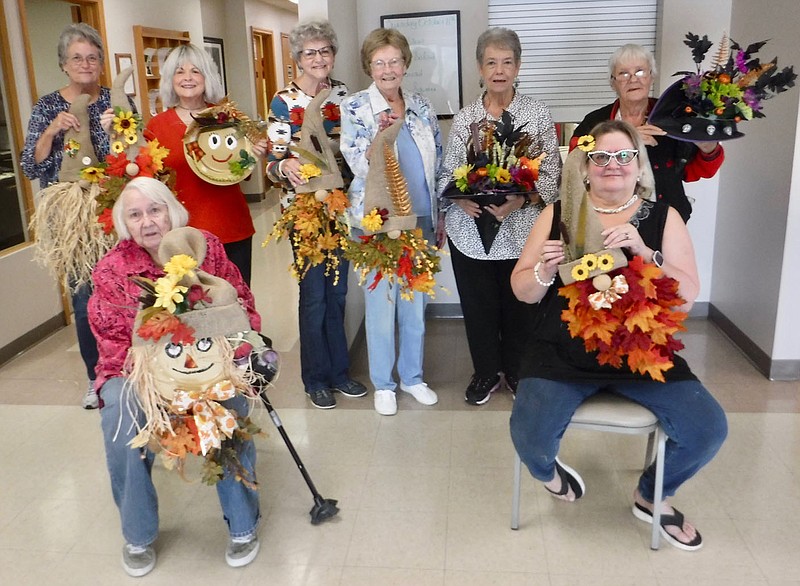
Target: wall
{"x":50,"y":17}
{"x":755,"y":280}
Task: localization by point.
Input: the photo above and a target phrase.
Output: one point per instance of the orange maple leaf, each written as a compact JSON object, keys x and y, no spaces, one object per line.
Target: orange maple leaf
{"x":650,"y":362}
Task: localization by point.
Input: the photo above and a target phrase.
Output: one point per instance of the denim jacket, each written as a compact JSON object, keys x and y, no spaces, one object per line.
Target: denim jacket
{"x":360,"y":113}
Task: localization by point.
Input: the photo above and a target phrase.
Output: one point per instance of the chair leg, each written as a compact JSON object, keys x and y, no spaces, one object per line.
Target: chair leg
{"x":648,"y":456}
{"x":515,"y":492}
{"x":658,"y":497}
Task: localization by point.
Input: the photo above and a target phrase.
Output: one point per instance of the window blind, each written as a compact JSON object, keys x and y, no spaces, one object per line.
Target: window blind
{"x":566,"y":45}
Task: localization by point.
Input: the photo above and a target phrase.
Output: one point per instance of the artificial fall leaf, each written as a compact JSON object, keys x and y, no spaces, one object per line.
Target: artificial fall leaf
{"x":641,"y":317}
{"x":337,"y":201}
{"x":649,"y":362}
{"x":159,"y":324}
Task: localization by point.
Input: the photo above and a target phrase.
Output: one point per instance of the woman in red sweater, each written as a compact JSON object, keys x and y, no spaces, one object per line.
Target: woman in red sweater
{"x":190,"y":83}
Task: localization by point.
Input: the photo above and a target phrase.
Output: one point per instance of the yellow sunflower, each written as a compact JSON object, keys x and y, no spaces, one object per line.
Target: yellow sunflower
{"x":125,"y":122}
{"x":92,"y":174}
{"x":605,"y":262}
{"x":586,"y":143}
{"x":580,"y":272}
{"x":589,"y":261}
{"x":131,"y":138}
{"x":117,"y":147}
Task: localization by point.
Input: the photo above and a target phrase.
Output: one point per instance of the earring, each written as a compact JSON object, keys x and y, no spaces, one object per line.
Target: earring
{"x":480,"y":82}
{"x":586,"y":183}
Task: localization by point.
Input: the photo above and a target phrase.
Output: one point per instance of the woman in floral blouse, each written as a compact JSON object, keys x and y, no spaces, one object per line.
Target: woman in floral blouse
{"x":495,"y":320}
{"x":324,"y":359}
{"x":385,"y":56}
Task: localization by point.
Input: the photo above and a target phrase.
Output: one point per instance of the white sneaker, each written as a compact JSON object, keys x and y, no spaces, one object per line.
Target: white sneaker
{"x":138,"y":561}
{"x":90,"y":400}
{"x":385,"y":402}
{"x":422,"y":393}
{"x":241,"y":552}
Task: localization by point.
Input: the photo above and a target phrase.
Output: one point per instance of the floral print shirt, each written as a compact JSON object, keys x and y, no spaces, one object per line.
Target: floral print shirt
{"x":43,"y":113}
{"x":114,"y":302}
{"x":286,"y":112}
{"x":462,"y":229}
{"x":360,"y":113}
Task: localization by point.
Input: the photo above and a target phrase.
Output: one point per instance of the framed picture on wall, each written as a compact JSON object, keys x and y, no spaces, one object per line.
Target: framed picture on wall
{"x":216,"y":50}
{"x":435,"y":42}
{"x":123,"y":61}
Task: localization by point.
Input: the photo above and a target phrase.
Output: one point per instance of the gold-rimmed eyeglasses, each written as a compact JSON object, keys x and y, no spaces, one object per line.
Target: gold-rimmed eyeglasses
{"x":380,"y":64}
{"x":323,"y":52}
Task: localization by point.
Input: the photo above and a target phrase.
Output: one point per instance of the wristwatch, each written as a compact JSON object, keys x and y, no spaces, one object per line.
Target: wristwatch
{"x":658,"y":258}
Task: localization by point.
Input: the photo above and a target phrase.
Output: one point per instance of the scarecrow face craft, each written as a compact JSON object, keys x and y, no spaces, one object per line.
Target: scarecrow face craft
{"x":187,"y":366}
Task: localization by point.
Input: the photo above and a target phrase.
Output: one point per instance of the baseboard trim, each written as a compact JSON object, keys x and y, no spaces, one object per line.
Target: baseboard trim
{"x":777,"y":370}
{"x":27,"y":340}
{"x":453,"y":310}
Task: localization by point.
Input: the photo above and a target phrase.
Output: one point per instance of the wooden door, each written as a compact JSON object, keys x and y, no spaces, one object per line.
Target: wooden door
{"x":264,"y":69}
{"x":289,"y":66}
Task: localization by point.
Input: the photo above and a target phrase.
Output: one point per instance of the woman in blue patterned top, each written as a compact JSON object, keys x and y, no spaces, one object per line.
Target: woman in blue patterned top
{"x":385,"y":56}
{"x":81,"y":57}
{"x":324,"y":359}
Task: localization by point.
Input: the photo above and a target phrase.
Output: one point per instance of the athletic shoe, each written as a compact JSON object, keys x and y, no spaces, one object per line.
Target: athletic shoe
{"x":350,"y":388}
{"x":512,"y":383}
{"x":241,"y":552}
{"x":138,"y":561}
{"x":480,"y":389}
{"x":421,"y":392}
{"x":385,"y":402}
{"x":90,"y":399}
{"x":322,"y":399}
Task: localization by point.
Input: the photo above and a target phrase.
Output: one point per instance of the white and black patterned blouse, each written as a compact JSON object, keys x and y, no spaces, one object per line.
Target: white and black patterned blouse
{"x":514,"y":230}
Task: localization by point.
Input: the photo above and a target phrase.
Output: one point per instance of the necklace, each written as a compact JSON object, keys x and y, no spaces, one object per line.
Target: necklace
{"x":190,"y":110}
{"x":616,"y":210}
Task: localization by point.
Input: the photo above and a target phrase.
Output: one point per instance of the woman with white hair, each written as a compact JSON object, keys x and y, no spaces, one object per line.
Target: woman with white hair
{"x":190,"y":83}
{"x":144,"y":213}
{"x":631,"y":70}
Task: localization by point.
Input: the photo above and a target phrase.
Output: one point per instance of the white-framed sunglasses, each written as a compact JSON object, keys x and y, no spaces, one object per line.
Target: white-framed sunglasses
{"x":622,"y":157}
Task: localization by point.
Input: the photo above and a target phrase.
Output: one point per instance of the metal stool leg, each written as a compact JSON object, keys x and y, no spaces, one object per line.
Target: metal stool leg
{"x":515,"y":492}
{"x":659,"y":490}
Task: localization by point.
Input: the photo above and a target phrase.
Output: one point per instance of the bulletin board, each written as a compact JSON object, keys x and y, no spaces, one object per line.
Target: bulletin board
{"x":435,"y":70}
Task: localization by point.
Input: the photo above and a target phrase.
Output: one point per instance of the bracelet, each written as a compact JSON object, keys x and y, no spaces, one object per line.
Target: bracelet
{"x":539,"y":279}
{"x":280,"y":169}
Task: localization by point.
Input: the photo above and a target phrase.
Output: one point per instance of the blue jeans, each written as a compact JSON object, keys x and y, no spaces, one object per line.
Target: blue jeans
{"x":86,"y":341}
{"x":324,"y":359}
{"x":131,"y":482}
{"x":384,"y":307}
{"x":692,"y":419}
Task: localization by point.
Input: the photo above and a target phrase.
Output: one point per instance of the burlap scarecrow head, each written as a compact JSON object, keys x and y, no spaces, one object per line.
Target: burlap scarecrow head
{"x":386,"y":189}
{"x":581,"y":230}
{"x":315,"y":149}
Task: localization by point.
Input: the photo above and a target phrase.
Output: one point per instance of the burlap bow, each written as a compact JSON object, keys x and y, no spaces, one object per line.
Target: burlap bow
{"x":211,"y":418}
{"x":604,"y":299}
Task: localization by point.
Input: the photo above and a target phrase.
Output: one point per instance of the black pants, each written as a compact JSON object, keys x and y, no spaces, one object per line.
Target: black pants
{"x":496,"y":321}
{"x":240,"y":253}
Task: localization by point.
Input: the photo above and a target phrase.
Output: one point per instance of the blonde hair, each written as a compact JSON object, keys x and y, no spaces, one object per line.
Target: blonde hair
{"x":379,"y":38}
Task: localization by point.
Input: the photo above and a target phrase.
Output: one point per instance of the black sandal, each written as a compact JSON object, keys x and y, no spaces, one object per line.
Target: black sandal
{"x":676,"y":520}
{"x":569,"y":479}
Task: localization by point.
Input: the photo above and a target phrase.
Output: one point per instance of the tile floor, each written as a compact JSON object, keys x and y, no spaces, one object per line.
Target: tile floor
{"x":425,"y":495}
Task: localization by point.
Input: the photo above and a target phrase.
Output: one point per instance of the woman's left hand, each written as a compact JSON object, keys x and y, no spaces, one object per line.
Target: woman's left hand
{"x":512,"y":204}
{"x":106,"y":118}
{"x":625,"y":236}
{"x":260,"y":148}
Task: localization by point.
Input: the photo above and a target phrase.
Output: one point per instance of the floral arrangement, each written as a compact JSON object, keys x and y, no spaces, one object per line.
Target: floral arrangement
{"x":117,"y":170}
{"x":497,"y":161}
{"x":196,"y":421}
{"x":629,"y":314}
{"x":400,"y":256}
{"x":314,"y":224}
{"x":736,"y":84}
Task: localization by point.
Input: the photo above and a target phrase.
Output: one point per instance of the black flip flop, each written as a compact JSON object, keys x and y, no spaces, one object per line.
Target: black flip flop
{"x":569,"y":479}
{"x":675,"y":520}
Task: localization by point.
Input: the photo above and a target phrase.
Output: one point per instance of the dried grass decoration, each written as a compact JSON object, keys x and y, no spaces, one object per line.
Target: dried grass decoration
{"x":69,"y":241}
{"x":401,"y":256}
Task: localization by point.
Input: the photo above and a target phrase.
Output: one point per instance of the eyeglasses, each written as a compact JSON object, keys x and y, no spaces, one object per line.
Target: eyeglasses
{"x":79,"y":59}
{"x":623,"y":157}
{"x":625,"y":76}
{"x":323,"y":52}
{"x":390,"y":64}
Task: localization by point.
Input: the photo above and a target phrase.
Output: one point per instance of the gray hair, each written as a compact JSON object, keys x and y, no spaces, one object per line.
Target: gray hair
{"x":200,"y":59}
{"x":628,"y":53}
{"x":158,"y":193}
{"x":502,"y":38}
{"x":78,"y":32}
{"x":311,"y":31}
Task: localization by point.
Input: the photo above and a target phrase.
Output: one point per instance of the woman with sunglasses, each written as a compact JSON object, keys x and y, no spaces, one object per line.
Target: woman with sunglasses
{"x":631,"y":71}
{"x":608,"y":180}
{"x":324,"y":359}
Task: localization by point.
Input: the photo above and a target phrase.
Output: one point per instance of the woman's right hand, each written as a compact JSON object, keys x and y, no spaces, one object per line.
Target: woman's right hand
{"x":472,"y":209}
{"x":648,"y":132}
{"x":290,"y":168}
{"x":63,"y":122}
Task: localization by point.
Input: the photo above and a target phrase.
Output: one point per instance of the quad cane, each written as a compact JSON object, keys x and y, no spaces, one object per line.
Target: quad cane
{"x":265,"y":364}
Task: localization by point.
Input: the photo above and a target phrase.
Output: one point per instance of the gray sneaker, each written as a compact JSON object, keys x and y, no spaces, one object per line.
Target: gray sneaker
{"x":138,"y":561}
{"x":241,"y":553}
{"x":90,"y":400}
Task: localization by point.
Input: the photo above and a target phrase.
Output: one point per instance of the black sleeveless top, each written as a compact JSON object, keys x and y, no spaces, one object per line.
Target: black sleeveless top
{"x":551,"y":353}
